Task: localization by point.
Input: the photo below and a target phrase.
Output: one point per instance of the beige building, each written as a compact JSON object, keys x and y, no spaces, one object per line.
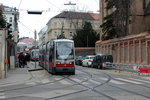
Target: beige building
{"x":68,"y":22}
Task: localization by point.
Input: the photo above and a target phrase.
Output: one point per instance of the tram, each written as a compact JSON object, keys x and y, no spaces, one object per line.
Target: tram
{"x":34,"y":55}
{"x":58,"y":56}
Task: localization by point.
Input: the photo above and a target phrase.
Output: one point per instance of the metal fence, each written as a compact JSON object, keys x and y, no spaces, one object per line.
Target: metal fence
{"x":125,"y":67}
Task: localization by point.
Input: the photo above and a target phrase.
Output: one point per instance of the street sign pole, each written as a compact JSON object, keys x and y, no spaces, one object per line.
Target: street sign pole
{"x":35,"y":44}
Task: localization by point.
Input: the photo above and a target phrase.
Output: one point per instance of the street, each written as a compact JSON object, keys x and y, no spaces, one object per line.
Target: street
{"x":86,"y":84}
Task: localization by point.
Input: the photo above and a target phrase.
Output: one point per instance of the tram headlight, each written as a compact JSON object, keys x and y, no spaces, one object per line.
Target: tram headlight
{"x":71,"y":62}
{"x":57,"y":62}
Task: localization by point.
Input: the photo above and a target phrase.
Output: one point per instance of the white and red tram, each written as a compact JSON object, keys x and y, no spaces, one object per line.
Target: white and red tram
{"x":59,"y":56}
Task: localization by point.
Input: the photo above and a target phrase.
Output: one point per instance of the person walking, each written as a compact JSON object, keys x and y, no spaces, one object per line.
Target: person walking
{"x":21,"y":58}
{"x":28,"y":58}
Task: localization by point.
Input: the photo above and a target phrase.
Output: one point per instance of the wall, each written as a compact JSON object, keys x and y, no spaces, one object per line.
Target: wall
{"x":83,"y":51}
{"x":133,"y":49}
{"x":2,"y":52}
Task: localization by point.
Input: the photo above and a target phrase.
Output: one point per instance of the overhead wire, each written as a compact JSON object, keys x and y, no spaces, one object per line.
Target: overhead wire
{"x":53,"y":5}
{"x":25,"y":26}
{"x":19,"y":4}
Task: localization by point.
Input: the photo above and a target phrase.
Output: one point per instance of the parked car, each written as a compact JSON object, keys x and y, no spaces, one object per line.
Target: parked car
{"x":78,"y":60}
{"x":88,"y":60}
{"x":100,"y":59}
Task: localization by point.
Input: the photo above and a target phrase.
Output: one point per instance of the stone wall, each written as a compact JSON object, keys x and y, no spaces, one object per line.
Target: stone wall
{"x":83,"y":51}
{"x":133,"y":49}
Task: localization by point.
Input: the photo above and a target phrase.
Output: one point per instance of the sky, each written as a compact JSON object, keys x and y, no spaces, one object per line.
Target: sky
{"x":28,"y":23}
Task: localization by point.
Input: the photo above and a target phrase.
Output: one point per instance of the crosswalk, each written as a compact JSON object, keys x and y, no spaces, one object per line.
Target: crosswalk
{"x":118,"y":81}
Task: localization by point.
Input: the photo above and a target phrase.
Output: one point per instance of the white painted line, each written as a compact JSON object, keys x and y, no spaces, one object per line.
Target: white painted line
{"x":116,"y":82}
{"x":77,"y":80}
{"x":57,"y":78}
{"x":30,"y":83}
{"x":95,"y":82}
{"x":85,"y":83}
{"x":2,"y":97}
{"x":140,"y":80}
{"x":45,"y":80}
{"x":102,"y":78}
{"x":129,"y":81}
{"x":65,"y":82}
{"x":112,"y":81}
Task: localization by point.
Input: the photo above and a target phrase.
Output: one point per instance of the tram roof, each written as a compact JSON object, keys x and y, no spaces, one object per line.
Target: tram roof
{"x":63,"y":40}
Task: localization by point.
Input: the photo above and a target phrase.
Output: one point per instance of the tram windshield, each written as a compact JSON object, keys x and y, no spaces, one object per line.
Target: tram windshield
{"x":64,"y":50}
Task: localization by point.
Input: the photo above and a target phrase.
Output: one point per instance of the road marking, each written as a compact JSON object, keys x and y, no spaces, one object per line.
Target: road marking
{"x":95,"y":82}
{"x":57,"y":78}
{"x":30,"y":83}
{"x":45,"y":81}
{"x":102,"y":78}
{"x":2,"y":96}
{"x":65,"y":82}
{"x":139,"y":80}
{"x":77,"y":80}
{"x":129,"y":81}
{"x":116,"y":82}
{"x":112,"y":81}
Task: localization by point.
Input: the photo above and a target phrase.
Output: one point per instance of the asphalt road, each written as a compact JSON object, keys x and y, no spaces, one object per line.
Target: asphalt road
{"x":86,"y":84}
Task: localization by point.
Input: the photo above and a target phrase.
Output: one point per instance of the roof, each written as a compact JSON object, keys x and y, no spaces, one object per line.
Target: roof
{"x":78,"y":15}
{"x":95,"y":16}
{"x":63,"y":40}
{"x":27,"y":40}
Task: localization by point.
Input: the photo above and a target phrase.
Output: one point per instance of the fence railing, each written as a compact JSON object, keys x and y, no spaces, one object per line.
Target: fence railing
{"x":137,"y":68}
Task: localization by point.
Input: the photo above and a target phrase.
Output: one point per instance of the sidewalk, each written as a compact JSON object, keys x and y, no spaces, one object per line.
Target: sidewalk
{"x":15,"y":76}
{"x":18,"y":75}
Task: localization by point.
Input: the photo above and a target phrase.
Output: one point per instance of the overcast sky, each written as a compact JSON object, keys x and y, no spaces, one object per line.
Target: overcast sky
{"x":28,"y":23}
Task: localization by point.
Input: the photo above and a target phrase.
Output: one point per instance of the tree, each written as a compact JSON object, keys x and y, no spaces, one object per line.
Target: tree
{"x":116,"y":24}
{"x":108,"y":28}
{"x":2,"y":19}
{"x":86,"y":37}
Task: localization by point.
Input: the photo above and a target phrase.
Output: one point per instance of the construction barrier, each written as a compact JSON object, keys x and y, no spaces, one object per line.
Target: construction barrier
{"x":137,"y":68}
{"x":144,"y":70}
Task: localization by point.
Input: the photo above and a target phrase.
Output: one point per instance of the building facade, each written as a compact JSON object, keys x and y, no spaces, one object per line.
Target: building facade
{"x":134,"y":48}
{"x":67,"y":22}
{"x":12,"y":17}
{"x":139,"y":16}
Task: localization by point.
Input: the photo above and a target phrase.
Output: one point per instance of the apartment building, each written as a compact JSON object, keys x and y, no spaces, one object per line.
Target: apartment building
{"x":68,"y":22}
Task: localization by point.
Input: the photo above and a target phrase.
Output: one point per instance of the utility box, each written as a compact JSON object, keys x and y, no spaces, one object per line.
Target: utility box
{"x":12,"y":62}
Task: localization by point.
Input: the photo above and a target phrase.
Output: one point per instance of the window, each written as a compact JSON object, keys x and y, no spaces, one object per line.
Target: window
{"x":71,"y":34}
{"x":10,"y":19}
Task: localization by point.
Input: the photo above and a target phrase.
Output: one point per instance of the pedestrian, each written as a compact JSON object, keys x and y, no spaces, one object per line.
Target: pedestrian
{"x":28,"y":57}
{"x":21,"y":58}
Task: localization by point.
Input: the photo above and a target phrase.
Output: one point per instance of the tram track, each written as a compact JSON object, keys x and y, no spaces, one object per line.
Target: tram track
{"x":87,"y":88}
{"x":89,"y":76}
{"x":107,"y":82}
